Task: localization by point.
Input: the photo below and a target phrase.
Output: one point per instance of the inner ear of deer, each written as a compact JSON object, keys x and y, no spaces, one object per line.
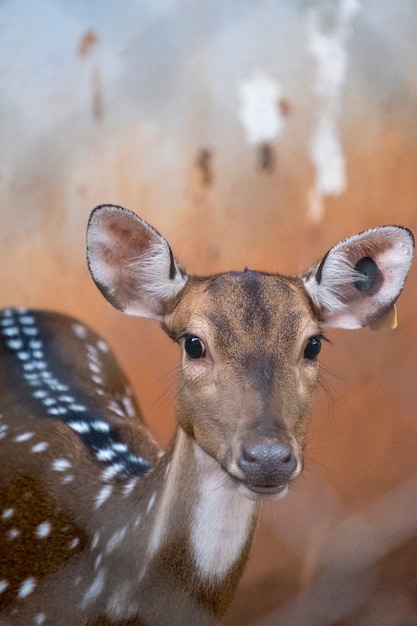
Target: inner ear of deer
{"x":360,"y":279}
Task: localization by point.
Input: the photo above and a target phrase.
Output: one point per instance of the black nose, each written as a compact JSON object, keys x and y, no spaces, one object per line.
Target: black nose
{"x":267,"y":463}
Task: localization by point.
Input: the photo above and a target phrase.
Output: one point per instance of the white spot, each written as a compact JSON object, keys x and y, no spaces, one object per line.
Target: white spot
{"x":66,"y":398}
{"x":3,"y":431}
{"x":3,"y":585}
{"x":100,"y":425}
{"x":22,"y":355}
{"x":116,"y":540}
{"x":120,"y":447}
{"x":40,"y":618}
{"x":24,"y":437}
{"x":77,"y":407}
{"x":31,"y":331}
{"x":57,"y":410}
{"x":128,"y":406}
{"x":40,"y":447}
{"x":35,"y":344}
{"x":7,"y":513}
{"x":103,"y":494}
{"x":80,"y":331}
{"x":6,"y":321}
{"x":67,"y":479}
{"x":105,"y":454}
{"x":114,"y":407}
{"x":10,"y":331}
{"x":49,"y":401}
{"x":151,"y":502}
{"x":259,"y":111}
{"x":98,"y":561}
{"x":26,"y":588}
{"x":97,"y":379}
{"x":40,"y":393}
{"x":95,"y":589}
{"x":60,"y":465}
{"x":102,"y":345}
{"x":96,"y":539}
{"x":27,"y":319}
{"x":15,"y":344}
{"x":43,"y":530}
{"x":94,"y":367}
{"x":112,"y":471}
{"x":128,"y":487}
{"x":79,"y":426}
{"x":13,"y":533}
{"x":74,"y":543}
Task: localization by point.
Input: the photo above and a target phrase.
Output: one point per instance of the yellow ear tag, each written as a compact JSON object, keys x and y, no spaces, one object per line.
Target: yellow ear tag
{"x":388,"y":320}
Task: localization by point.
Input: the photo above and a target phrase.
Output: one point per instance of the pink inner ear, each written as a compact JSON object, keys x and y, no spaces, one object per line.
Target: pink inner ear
{"x":350,"y":299}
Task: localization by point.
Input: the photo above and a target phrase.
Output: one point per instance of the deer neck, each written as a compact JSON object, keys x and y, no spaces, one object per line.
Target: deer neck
{"x":184,"y":521}
{"x":198,"y":502}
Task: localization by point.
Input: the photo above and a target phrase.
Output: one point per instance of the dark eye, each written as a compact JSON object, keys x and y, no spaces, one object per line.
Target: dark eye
{"x":194,"y":347}
{"x":313,"y":347}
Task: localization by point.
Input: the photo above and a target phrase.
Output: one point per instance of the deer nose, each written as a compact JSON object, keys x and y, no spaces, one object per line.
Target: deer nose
{"x":267,"y":463}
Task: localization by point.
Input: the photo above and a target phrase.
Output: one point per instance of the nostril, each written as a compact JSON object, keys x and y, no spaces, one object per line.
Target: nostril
{"x":264,"y":462}
{"x":264,"y":452}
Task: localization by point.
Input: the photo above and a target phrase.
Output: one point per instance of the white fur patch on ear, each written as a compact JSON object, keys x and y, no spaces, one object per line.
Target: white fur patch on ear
{"x":360,"y":278}
{"x":131,"y":263}
{"x":151,"y":274}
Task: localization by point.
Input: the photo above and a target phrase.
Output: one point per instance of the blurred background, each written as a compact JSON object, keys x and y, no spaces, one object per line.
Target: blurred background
{"x":250,"y":133}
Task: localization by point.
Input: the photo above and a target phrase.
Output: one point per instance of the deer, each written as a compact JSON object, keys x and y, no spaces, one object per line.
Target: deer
{"x":98,"y":525}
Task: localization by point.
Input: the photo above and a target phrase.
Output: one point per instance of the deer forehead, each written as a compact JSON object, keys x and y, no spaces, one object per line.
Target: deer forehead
{"x":250,"y":310}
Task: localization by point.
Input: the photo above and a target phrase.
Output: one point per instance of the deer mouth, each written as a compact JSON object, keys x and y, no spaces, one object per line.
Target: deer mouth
{"x":255,"y":492}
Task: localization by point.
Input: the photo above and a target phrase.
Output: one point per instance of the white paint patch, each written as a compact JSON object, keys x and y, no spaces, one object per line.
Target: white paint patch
{"x":222,"y":519}
{"x":13,"y":533}
{"x":7,"y":513}
{"x":43,"y":530}
{"x":259,"y":111}
{"x":327,"y":36}
{"x":40,"y":619}
{"x":74,"y":543}
{"x":26,"y":588}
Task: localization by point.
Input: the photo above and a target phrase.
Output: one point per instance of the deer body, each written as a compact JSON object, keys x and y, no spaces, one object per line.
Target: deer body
{"x":97,"y":525}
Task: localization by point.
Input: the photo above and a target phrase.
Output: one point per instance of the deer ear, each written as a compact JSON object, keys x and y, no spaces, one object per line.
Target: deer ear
{"x":131,"y":263}
{"x":358,"y":280}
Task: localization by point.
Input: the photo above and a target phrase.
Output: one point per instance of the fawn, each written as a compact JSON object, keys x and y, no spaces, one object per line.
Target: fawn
{"x":98,"y":525}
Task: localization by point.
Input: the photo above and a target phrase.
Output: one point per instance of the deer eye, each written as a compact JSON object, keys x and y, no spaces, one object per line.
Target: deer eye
{"x":194,"y":347}
{"x":313,"y":347}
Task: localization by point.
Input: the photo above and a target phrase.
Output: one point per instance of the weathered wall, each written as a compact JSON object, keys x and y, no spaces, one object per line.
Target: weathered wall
{"x":150,"y":105}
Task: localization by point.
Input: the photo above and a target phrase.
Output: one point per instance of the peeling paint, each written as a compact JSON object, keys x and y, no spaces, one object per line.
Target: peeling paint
{"x":259,"y":110}
{"x":328,"y":31}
